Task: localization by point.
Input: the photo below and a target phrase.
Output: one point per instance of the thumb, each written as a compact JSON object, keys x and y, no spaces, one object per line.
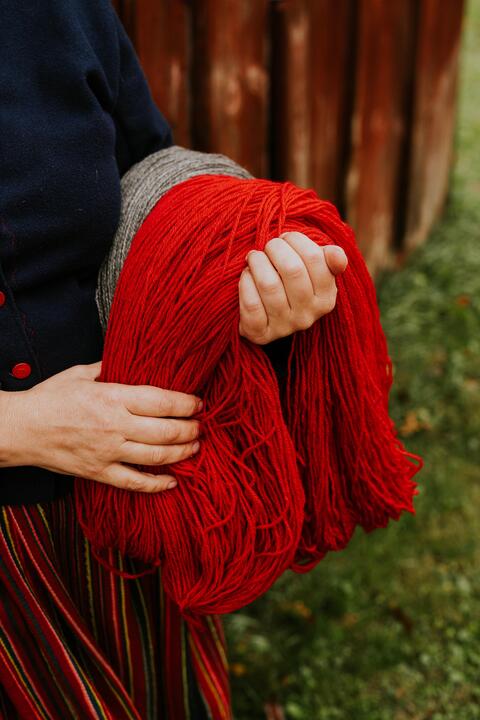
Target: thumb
{"x":335,"y":258}
{"x":92,"y":370}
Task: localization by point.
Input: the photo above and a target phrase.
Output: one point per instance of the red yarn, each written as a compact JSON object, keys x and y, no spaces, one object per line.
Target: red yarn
{"x":281,"y":478}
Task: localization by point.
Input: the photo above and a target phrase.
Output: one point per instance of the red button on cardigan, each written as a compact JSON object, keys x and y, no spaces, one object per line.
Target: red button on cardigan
{"x":21,"y":370}
{"x":2,"y":298}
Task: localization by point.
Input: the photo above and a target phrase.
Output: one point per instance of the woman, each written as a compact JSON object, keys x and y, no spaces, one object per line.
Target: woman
{"x":76,"y":641}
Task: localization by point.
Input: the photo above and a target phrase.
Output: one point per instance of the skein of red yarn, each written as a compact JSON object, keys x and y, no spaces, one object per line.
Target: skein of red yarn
{"x":281,"y":477}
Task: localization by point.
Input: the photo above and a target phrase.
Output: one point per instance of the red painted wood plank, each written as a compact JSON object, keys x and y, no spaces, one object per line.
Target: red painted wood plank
{"x":312,"y":68}
{"x":291,"y":91}
{"x":332,"y":37}
{"x":436,"y":73}
{"x":162,"y":40}
{"x":231,"y":80}
{"x":386,"y":35}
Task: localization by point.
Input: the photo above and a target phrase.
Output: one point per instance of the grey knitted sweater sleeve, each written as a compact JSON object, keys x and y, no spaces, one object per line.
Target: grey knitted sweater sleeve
{"x":142,"y":186}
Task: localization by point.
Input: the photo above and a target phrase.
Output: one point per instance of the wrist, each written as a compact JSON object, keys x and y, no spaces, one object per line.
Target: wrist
{"x":12,"y":428}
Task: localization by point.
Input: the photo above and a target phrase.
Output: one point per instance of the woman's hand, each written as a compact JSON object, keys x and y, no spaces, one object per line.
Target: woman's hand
{"x":73,"y":425}
{"x":288,"y":287}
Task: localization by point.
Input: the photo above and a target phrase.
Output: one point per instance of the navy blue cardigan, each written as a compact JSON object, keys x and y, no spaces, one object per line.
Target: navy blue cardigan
{"x":75,"y":114}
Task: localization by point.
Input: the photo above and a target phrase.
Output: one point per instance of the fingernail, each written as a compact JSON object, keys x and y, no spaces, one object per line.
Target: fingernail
{"x":249,"y":253}
{"x":199,"y":405}
{"x":195,"y":447}
{"x":171,"y":484}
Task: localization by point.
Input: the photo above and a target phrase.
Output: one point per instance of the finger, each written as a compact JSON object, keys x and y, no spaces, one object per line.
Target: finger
{"x":314,"y":258}
{"x":253,"y":316}
{"x":293,"y":272}
{"x":336,"y":259}
{"x":157,"y":402}
{"x":269,"y":284}
{"x":140,"y":454}
{"x":161,"y":431}
{"x":128,"y":478}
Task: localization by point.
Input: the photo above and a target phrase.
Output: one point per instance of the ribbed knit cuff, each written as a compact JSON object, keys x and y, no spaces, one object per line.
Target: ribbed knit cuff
{"x":142,"y":187}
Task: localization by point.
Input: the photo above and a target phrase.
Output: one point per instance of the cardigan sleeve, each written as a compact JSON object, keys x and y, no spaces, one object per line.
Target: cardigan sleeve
{"x":141,"y":128}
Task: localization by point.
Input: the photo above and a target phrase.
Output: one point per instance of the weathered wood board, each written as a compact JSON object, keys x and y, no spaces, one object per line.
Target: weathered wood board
{"x":355,"y":98}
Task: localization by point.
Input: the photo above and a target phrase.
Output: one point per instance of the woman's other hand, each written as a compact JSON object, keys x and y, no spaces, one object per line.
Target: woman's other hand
{"x":73,"y":425}
{"x":287,"y":287}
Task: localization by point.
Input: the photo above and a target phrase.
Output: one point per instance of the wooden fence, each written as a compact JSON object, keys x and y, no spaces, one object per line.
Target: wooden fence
{"x":355,"y":98}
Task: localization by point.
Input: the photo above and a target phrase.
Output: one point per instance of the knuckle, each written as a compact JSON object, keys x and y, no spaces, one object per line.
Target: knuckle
{"x":315,"y":256}
{"x":269,"y":287}
{"x":104,"y":475}
{"x":294,"y":234}
{"x":304,"y":321}
{"x":165,"y":403}
{"x":110,"y":394}
{"x":187,"y":451}
{"x":157,"y":456}
{"x":275,"y":244}
{"x":331,"y":300}
{"x":256,"y":329}
{"x":136,"y":483}
{"x":172,"y":433}
{"x":293,"y":270}
{"x":257,"y":337}
{"x":165,"y":406}
{"x":193,"y":406}
{"x":252,"y":327}
{"x":252,"y":307}
{"x":93,"y":471}
{"x":158,"y":487}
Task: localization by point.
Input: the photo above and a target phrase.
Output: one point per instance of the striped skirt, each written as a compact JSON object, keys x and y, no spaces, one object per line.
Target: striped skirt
{"x":77,"y":641}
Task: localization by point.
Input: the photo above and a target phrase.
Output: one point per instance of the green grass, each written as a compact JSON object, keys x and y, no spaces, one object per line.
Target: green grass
{"x":389,"y":629}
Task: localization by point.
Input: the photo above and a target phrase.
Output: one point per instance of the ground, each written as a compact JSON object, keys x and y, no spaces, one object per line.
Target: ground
{"x":389,"y":629}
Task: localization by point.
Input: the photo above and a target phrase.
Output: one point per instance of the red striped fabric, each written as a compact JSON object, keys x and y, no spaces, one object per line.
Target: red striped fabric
{"x":79,"y":642}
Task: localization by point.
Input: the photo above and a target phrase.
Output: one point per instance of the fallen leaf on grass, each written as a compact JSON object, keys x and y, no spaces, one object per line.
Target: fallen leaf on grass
{"x":413,"y":424}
